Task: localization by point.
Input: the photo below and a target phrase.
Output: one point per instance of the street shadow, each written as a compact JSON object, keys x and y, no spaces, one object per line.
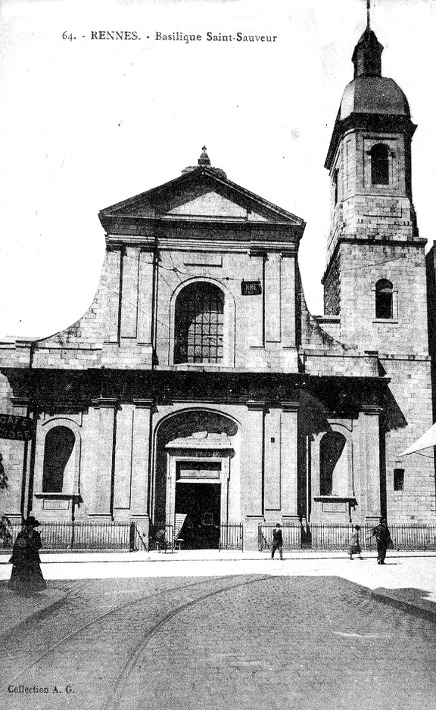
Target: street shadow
{"x":409,"y":598}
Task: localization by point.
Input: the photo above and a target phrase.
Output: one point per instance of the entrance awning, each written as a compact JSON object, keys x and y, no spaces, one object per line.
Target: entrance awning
{"x":424,"y":442}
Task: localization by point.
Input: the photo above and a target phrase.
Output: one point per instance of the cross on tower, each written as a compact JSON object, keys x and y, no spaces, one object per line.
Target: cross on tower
{"x":368,"y":14}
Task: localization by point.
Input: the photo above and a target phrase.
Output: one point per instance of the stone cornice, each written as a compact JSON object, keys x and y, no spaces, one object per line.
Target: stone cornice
{"x":256,"y":405}
{"x":417,"y":242}
{"x":110,"y":402}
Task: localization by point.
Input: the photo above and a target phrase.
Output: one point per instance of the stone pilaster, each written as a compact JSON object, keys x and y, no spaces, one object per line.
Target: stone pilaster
{"x":371,"y":467}
{"x":145,"y":298}
{"x":287,"y":288}
{"x":123,"y":458}
{"x":252,"y":467}
{"x":289,"y":460}
{"x":272,"y":298}
{"x":113,"y":266}
{"x":256,"y":330}
{"x":141,"y":458}
{"x":129,"y":296}
{"x":272,"y":476}
{"x":100,"y":460}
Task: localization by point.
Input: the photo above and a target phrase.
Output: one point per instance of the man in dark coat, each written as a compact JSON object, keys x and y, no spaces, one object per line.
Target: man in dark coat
{"x":26,"y":574}
{"x":277,"y":543}
{"x":383,"y":537}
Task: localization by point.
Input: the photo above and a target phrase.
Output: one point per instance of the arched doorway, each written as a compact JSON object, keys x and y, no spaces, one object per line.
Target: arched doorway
{"x":194,"y":465}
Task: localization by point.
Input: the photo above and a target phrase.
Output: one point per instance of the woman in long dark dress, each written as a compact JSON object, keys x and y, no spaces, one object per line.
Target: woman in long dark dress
{"x":26,"y":574}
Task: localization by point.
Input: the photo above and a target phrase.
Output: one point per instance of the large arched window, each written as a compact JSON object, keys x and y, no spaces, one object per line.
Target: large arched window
{"x":59,"y":445}
{"x":384,"y":299}
{"x":332,"y":462}
{"x":199,"y":324}
{"x":380,"y":164}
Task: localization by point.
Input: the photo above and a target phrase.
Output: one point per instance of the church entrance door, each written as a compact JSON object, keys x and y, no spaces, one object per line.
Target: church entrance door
{"x":201,"y":503}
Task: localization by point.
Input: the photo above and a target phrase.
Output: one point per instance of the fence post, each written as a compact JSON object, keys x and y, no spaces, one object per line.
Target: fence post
{"x":132,"y":535}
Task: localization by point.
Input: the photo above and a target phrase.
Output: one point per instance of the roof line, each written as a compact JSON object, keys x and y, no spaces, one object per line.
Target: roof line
{"x":108,"y":211}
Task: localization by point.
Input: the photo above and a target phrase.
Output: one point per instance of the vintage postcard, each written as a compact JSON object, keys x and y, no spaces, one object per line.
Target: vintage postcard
{"x":217,"y":348}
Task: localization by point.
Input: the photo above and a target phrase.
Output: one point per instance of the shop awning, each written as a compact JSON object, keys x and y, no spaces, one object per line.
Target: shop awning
{"x":424,"y":442}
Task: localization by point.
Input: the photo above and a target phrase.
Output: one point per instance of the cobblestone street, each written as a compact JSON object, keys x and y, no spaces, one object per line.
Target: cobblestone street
{"x":260,"y":640}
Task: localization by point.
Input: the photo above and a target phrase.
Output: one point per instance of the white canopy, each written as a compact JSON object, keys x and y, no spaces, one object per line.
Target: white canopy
{"x":424,"y":441}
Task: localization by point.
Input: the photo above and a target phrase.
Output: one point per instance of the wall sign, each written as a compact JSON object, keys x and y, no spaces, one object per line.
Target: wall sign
{"x":14,"y":427}
{"x":251,"y":288}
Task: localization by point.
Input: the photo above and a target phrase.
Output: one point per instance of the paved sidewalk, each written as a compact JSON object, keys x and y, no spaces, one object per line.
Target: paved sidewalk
{"x":407,"y":579}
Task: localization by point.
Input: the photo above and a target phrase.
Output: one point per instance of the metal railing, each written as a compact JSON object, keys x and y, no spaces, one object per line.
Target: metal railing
{"x":291,"y":536}
{"x":231,"y":536}
{"x":112,"y":535}
{"x":413,"y":537}
{"x":326,"y":536}
{"x":78,"y":535}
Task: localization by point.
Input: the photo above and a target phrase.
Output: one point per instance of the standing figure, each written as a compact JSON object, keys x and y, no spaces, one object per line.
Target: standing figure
{"x":383,"y":537}
{"x":354,"y":547}
{"x":277,"y":543}
{"x":26,"y":574}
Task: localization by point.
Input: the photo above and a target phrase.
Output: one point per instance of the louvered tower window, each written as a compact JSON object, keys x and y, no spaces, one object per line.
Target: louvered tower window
{"x":380,"y":164}
{"x":384,"y":299}
{"x":199,"y":324}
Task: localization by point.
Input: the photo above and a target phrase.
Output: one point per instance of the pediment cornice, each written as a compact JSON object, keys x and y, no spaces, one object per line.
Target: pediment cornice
{"x":202,"y":196}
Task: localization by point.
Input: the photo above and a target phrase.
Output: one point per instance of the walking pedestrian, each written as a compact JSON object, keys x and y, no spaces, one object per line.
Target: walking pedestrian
{"x":354,"y":547}
{"x":26,"y":576}
{"x":277,"y":543}
{"x":383,"y":537}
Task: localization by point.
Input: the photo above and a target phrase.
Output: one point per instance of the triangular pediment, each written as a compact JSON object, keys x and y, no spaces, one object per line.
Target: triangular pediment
{"x":200,"y":195}
{"x":213,"y":205}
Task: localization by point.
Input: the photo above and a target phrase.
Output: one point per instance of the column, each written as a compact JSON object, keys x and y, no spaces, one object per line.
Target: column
{"x":129,"y":295}
{"x":253,"y":472}
{"x":371,"y":464}
{"x":141,"y":457}
{"x":99,"y":460}
{"x":272,"y":298}
{"x":145,"y":297}
{"x":289,"y":460}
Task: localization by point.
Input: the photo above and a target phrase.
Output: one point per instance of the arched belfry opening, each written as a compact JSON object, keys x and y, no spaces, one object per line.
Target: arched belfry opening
{"x":196,"y":483}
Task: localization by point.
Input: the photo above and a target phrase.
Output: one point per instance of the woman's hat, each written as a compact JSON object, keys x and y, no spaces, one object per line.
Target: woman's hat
{"x":32,"y":521}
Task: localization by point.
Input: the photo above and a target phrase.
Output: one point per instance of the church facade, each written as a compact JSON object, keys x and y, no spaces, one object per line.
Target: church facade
{"x":199,"y":384}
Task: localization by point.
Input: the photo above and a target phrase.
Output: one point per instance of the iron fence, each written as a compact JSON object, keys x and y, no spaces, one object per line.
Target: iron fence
{"x":413,"y":537}
{"x":326,"y":536}
{"x":291,"y":536}
{"x":78,"y":535}
{"x":112,"y":535}
{"x":231,"y":536}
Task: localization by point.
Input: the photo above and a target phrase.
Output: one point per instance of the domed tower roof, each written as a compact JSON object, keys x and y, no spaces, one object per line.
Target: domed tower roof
{"x":370,"y":97}
{"x":370,"y":92}
{"x":373,"y":94}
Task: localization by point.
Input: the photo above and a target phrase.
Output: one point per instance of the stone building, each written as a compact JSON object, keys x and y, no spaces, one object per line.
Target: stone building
{"x":199,"y":384}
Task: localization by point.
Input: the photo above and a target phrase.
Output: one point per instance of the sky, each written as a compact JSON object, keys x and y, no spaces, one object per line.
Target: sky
{"x":86,"y":123}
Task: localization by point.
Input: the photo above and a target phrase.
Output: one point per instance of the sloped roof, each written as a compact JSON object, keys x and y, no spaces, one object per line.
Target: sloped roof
{"x":203,"y":194}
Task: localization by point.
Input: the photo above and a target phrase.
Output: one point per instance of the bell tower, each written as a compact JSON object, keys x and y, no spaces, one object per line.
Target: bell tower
{"x":375,"y":275}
